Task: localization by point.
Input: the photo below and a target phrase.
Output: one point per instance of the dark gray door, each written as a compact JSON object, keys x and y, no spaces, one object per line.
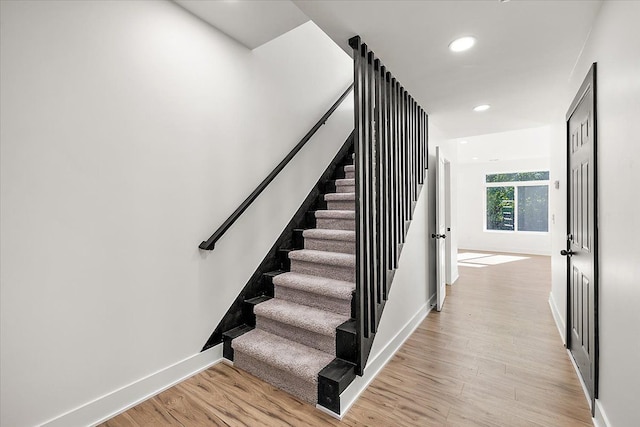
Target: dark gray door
{"x":582,"y":241}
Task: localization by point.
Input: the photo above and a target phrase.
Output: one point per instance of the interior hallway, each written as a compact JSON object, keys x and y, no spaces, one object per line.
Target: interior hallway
{"x":492,"y":357}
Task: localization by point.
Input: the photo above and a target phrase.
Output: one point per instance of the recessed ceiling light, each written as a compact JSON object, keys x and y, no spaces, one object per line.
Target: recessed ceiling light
{"x":483,"y":107}
{"x":463,"y":142}
{"x":474,"y":158}
{"x":462,"y":44}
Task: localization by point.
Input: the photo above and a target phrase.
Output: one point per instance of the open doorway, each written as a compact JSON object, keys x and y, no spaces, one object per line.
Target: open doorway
{"x":503,"y":192}
{"x":445,"y":242}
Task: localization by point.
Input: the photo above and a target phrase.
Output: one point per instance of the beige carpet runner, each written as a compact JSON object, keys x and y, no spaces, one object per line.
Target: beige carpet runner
{"x":295,"y":334}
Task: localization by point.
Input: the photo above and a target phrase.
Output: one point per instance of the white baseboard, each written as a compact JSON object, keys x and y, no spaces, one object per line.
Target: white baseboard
{"x":118,"y":401}
{"x":562,"y":327}
{"x":600,"y":419}
{"x":454,"y":279}
{"x":377,"y":362}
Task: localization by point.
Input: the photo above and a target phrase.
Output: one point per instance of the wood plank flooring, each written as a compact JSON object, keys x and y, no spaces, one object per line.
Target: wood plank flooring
{"x":492,"y":357}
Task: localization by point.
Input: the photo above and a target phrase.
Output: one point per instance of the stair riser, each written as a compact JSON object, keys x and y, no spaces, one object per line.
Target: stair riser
{"x":347,"y":274}
{"x":322,"y":302}
{"x":292,"y":384}
{"x":339,"y":205}
{"x":303,"y":336}
{"x":335,"y":224}
{"x":346,"y":189}
{"x":349,"y":175}
{"x":341,"y":246}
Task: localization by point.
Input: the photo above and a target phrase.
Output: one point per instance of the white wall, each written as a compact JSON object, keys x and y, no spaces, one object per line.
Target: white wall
{"x":410,"y":291}
{"x":613,"y":43}
{"x":519,"y":151}
{"x":412,"y":287}
{"x":410,"y":300}
{"x":530,"y":143}
{"x":129,"y":132}
{"x":412,"y":294}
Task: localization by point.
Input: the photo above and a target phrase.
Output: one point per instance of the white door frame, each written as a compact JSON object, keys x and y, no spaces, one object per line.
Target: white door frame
{"x":443,"y":221}
{"x":448,"y":241}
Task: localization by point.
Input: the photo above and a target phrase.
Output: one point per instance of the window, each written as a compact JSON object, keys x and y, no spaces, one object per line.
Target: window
{"x":517,"y":201}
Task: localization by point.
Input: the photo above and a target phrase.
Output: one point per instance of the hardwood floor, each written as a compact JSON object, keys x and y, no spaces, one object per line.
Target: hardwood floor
{"x":492,"y":357}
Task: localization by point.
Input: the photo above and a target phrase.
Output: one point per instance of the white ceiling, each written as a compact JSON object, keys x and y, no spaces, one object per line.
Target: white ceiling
{"x":252,"y":23}
{"x":504,"y":146}
{"x":525,"y":53}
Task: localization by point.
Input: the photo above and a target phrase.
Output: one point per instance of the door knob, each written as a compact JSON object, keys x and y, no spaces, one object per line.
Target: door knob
{"x":438,"y":236}
{"x":567,"y":253}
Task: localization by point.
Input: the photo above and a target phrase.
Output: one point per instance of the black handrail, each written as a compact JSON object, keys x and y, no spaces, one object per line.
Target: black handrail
{"x":210,"y":243}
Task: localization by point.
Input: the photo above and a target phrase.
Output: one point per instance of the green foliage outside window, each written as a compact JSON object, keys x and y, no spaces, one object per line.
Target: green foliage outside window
{"x":532,"y":203}
{"x":500,"y":208}
{"x":518,"y":176}
{"x":533,"y":208}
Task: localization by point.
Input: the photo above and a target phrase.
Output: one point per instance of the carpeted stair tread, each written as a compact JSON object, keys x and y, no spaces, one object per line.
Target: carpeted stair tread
{"x":344,"y":200}
{"x":345,"y":185}
{"x":346,"y":181}
{"x":326,"y":234}
{"x":336,"y":219}
{"x":322,"y":257}
{"x":340,"y":197}
{"x":331,"y":238}
{"x":284,"y":354}
{"x":350,"y":172}
{"x":336,"y":214}
{"x":300,"y":316}
{"x":295,"y":331}
{"x":316,"y":291}
{"x":339,"y":289}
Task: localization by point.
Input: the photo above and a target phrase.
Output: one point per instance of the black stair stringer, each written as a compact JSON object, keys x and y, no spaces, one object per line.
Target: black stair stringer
{"x":260,"y":283}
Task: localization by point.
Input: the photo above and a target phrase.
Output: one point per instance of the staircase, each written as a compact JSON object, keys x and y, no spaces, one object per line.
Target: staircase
{"x":295,"y":331}
{"x":307,"y":318}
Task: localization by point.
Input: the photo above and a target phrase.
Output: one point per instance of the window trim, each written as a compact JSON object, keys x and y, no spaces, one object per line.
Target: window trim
{"x":515,"y":184}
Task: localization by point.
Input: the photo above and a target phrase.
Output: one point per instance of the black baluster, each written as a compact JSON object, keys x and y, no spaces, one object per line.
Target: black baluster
{"x":403,"y":162}
{"x":416,"y":151}
{"x":386,"y":180}
{"x":425,"y":157}
{"x":370,"y":196}
{"x":358,"y":82}
{"x":420,"y":147}
{"x":394,"y":172}
{"x":412,"y":157}
{"x":382,"y":187}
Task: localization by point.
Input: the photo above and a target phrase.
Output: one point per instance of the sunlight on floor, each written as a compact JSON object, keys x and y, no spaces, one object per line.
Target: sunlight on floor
{"x":478,"y":260}
{"x":466,"y":264}
{"x":469,"y":255}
